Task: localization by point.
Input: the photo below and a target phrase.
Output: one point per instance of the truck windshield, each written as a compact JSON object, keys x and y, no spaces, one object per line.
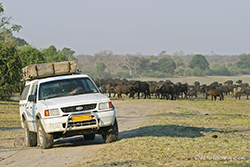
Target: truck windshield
{"x":68,"y":87}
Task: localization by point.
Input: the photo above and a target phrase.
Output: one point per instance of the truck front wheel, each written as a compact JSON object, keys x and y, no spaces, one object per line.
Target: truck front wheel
{"x":45,"y":140}
{"x":30,"y":138}
{"x":111,"y":134}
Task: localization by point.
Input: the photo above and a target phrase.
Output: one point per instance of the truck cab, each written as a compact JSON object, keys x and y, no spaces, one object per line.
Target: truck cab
{"x":65,"y":106}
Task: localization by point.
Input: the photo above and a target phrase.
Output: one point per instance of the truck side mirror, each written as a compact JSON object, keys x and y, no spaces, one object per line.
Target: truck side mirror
{"x":32,"y":98}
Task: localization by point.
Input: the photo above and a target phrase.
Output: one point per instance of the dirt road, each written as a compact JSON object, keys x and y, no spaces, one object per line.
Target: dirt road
{"x":73,"y":151}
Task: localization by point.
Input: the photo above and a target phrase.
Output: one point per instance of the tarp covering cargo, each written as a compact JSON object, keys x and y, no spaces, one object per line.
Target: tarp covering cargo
{"x":36,"y":71}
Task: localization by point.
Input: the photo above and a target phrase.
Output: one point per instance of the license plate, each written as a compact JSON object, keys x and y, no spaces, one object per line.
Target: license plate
{"x":81,"y":118}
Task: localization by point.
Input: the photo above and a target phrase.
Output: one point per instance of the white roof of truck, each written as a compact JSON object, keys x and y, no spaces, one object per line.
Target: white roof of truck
{"x":48,"y":79}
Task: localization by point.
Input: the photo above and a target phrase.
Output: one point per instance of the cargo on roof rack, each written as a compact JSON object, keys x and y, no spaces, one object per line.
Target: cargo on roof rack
{"x":37,"y":71}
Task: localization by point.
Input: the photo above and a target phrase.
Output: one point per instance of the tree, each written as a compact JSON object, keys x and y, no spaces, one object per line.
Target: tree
{"x":20,"y":41}
{"x":6,"y":28}
{"x":244,"y":62}
{"x":153,"y":58}
{"x":180,"y":72}
{"x":197,"y":71}
{"x":179,"y":61}
{"x":10,"y":69}
{"x":167,"y":65}
{"x":104,"y":53}
{"x":99,"y":71}
{"x":51,"y":54}
{"x":68,"y":53}
{"x":144,"y":65}
{"x":220,"y":70}
{"x":199,"y":61}
{"x":30,"y":55}
{"x":132,"y":63}
{"x":188,"y":72}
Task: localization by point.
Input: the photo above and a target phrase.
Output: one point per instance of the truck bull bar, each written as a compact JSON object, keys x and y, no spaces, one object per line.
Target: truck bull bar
{"x":93,"y":117}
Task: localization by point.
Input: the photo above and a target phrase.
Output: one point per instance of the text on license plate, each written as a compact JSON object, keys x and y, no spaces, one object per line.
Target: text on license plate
{"x":81,"y":118}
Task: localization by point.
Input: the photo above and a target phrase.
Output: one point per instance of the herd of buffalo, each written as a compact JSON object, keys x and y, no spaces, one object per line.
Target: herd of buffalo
{"x":169,"y":90}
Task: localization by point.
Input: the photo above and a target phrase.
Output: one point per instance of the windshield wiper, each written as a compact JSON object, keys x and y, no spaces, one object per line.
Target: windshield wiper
{"x":84,"y":92}
{"x":59,"y":95}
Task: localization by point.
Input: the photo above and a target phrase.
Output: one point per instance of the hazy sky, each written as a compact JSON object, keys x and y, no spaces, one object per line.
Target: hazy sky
{"x":134,"y":26}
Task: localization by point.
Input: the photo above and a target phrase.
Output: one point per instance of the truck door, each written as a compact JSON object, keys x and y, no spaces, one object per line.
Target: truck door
{"x":31,"y":108}
{"x":23,"y":100}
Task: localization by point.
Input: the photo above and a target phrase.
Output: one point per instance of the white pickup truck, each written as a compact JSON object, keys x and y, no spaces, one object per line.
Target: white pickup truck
{"x":64,"y":106}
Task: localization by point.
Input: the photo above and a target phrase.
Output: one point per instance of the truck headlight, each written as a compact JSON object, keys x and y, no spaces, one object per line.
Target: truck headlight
{"x":104,"y":106}
{"x":51,"y":112}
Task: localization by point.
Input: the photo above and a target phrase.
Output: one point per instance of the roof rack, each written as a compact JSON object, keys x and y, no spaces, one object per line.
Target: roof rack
{"x":44,"y":70}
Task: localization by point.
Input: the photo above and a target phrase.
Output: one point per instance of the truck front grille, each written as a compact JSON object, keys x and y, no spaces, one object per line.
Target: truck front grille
{"x":80,"y":124}
{"x":79,"y":108}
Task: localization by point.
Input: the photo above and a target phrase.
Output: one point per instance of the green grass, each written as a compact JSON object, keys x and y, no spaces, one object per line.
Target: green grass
{"x":184,"y":134}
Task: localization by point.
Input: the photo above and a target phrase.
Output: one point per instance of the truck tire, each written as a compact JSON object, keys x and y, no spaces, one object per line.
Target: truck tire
{"x":45,"y":140}
{"x":89,"y":137}
{"x":111,"y":134}
{"x":30,"y":138}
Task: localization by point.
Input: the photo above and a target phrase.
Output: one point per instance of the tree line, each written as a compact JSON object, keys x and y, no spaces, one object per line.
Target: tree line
{"x":106,"y":64}
{"x":16,"y":53}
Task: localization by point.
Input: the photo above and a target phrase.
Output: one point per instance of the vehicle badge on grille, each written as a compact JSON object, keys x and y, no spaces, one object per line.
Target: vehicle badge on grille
{"x":79,"y":108}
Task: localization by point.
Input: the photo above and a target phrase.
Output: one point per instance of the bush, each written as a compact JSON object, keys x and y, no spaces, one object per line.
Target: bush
{"x":220,"y":70}
{"x":197,"y":72}
{"x":207,"y":72}
{"x":180,"y":72}
{"x":188,"y":72}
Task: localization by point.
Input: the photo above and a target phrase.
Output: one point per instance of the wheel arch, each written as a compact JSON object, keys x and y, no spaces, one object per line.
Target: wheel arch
{"x":23,"y":118}
{"x":38,"y":116}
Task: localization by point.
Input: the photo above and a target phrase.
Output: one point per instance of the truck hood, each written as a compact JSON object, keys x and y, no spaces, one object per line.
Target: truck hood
{"x":75,"y":100}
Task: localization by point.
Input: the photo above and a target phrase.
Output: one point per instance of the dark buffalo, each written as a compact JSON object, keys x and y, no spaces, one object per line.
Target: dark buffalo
{"x":246,"y":91}
{"x":183,"y":88}
{"x":214,"y":93}
{"x":139,"y":87}
{"x":191,"y":94}
{"x":238,"y":95}
{"x":166,"y":90}
{"x":244,"y":85}
{"x":153,"y":88}
{"x":121,"y":89}
{"x":228,"y":82}
{"x":239,"y":81}
{"x":224,"y":89}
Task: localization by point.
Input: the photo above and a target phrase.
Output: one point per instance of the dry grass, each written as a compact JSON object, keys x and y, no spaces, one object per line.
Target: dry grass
{"x":187,"y":133}
{"x":9,"y":119}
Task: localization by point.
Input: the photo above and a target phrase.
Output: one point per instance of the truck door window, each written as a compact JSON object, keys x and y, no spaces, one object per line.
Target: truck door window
{"x":33,"y":90}
{"x":25,"y":92}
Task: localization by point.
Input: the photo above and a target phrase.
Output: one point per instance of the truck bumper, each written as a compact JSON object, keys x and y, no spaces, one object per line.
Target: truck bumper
{"x":66,"y":123}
